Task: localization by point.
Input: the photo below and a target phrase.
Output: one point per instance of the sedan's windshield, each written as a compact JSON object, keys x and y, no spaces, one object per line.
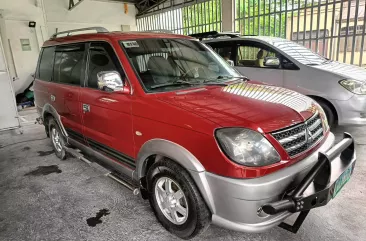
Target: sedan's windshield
{"x":172,"y":64}
{"x":300,"y":53}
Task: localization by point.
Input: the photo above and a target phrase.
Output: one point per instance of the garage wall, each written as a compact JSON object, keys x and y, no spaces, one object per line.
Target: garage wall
{"x":49,"y":16}
{"x":14,"y":19}
{"x":88,"y":13}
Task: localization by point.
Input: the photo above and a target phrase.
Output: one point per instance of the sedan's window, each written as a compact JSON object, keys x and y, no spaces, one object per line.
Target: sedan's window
{"x":171,"y":64}
{"x":299,"y":52}
{"x":251,"y":56}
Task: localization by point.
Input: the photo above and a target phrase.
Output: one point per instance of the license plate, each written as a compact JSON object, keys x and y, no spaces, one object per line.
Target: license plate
{"x":342,"y":180}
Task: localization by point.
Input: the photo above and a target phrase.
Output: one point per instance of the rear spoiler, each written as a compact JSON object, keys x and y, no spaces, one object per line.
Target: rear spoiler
{"x":214,"y":34}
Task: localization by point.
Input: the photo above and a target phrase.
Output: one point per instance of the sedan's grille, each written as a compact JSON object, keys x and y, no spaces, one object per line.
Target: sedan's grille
{"x":300,"y":138}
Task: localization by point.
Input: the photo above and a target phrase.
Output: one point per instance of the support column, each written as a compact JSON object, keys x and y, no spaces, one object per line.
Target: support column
{"x":228,"y":15}
{"x":7,"y":52}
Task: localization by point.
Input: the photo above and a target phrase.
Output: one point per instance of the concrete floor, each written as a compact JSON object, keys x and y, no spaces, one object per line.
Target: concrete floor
{"x":62,"y":204}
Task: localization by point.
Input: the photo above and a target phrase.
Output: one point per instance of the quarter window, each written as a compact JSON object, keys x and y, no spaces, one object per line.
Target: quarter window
{"x":46,"y":64}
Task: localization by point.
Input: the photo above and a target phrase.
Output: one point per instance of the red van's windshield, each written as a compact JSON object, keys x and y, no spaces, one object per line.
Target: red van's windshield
{"x":171,"y":64}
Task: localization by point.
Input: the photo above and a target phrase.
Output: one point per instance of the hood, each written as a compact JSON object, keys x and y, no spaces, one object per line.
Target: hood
{"x":344,"y":70}
{"x":247,"y":105}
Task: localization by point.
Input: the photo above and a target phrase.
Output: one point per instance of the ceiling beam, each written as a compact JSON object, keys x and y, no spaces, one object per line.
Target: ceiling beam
{"x":144,"y":6}
{"x":73,"y":5}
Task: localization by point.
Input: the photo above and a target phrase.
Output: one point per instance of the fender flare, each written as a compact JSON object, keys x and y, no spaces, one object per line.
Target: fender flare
{"x":49,"y":109}
{"x":180,"y":155}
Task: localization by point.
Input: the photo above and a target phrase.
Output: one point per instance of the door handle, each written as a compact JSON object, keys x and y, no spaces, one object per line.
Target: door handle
{"x":86,"y":108}
{"x":53,"y":98}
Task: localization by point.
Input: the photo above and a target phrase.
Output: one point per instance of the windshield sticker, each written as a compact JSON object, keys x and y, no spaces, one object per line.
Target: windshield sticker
{"x":130,"y":44}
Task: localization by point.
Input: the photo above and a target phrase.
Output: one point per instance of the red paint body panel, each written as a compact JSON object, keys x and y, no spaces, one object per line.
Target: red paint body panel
{"x":187,"y":118}
{"x":109,"y":121}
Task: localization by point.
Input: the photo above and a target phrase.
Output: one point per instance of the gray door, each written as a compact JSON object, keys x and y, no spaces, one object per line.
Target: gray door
{"x":250,"y":62}
{"x":8,"y":114}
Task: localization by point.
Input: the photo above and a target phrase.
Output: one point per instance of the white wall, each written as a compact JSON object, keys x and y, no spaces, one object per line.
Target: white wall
{"x":88,"y":13}
{"x":50,"y":15}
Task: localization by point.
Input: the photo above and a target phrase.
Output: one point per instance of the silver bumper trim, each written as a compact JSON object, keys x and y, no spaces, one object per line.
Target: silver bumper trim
{"x":234,"y":202}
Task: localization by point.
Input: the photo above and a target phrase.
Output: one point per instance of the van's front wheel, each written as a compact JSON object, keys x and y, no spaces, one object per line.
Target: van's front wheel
{"x":176,"y":201}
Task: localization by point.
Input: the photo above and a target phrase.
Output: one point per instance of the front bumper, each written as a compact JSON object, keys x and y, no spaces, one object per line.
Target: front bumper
{"x":352,"y":111}
{"x":237,"y":203}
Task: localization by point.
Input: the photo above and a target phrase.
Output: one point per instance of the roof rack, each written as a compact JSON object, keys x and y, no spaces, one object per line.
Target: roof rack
{"x":214,"y":34}
{"x":98,"y":29}
{"x":157,"y":31}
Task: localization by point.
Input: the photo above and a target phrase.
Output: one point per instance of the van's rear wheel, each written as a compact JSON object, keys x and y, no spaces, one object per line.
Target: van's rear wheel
{"x":176,"y":201}
{"x":58,"y":141}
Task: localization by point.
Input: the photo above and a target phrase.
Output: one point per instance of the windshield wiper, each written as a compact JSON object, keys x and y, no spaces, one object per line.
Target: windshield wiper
{"x":175,"y":83}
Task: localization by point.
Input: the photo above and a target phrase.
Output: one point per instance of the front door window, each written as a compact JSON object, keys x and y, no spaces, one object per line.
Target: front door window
{"x":252,"y":56}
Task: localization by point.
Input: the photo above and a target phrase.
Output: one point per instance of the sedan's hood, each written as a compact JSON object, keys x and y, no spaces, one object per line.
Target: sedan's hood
{"x":246,"y":105}
{"x":344,"y":70}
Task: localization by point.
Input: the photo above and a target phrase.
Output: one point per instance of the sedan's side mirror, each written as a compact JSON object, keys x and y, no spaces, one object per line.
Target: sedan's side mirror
{"x":111,"y":81}
{"x":272,"y":62}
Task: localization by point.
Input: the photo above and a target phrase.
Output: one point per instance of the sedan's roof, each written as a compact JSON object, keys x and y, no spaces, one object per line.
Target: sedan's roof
{"x":260,"y":38}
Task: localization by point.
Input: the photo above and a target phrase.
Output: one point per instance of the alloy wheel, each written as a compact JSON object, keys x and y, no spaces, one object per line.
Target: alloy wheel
{"x":171,"y":200}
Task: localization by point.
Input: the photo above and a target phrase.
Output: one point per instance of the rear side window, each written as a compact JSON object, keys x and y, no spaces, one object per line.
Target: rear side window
{"x":69,"y":62}
{"x":46,"y":64}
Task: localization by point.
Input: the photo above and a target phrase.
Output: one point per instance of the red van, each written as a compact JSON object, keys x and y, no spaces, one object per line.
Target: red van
{"x":173,"y":121}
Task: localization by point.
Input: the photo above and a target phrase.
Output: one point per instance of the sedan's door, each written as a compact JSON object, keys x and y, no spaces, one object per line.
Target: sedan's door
{"x":106,"y":115}
{"x":250,"y":62}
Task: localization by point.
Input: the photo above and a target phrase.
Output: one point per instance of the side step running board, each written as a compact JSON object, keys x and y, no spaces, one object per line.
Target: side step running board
{"x":134,"y":190}
{"x":109,"y":174}
{"x":77,"y":154}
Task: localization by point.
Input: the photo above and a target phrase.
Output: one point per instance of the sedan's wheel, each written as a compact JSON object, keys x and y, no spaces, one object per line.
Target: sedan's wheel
{"x":57,"y":139}
{"x":171,"y":200}
{"x":176,"y":201}
{"x":329,"y":113}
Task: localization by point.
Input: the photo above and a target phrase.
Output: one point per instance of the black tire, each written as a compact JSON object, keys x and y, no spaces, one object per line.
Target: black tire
{"x":199,"y":216}
{"x":60,"y":153}
{"x":329,"y":113}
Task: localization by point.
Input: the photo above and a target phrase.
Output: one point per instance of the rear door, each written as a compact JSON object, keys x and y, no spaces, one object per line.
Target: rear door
{"x":249,"y":61}
{"x":68,"y":73}
{"x":107,"y":115}
{"x":43,"y":79}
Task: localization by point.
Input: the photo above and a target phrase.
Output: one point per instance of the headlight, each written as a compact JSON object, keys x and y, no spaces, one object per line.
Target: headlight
{"x":355,"y":86}
{"x":246,"y":147}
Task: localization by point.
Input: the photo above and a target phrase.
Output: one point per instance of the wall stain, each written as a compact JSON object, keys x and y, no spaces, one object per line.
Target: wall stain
{"x":44,"y":170}
{"x":93,"y":221}
{"x":26,"y":148}
{"x":45,"y":153}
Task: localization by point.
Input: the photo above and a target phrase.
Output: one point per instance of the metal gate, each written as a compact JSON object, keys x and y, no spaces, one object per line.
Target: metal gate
{"x":187,"y":17}
{"x":332,"y":28}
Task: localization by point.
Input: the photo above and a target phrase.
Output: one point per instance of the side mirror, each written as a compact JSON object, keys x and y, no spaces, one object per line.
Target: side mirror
{"x":272,"y":62}
{"x":111,"y":81}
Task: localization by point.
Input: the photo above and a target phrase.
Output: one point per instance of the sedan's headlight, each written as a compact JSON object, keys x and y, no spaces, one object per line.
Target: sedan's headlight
{"x":246,"y":147}
{"x":355,"y":86}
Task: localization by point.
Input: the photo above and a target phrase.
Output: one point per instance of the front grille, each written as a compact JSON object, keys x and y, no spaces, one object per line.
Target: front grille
{"x":302,"y":137}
